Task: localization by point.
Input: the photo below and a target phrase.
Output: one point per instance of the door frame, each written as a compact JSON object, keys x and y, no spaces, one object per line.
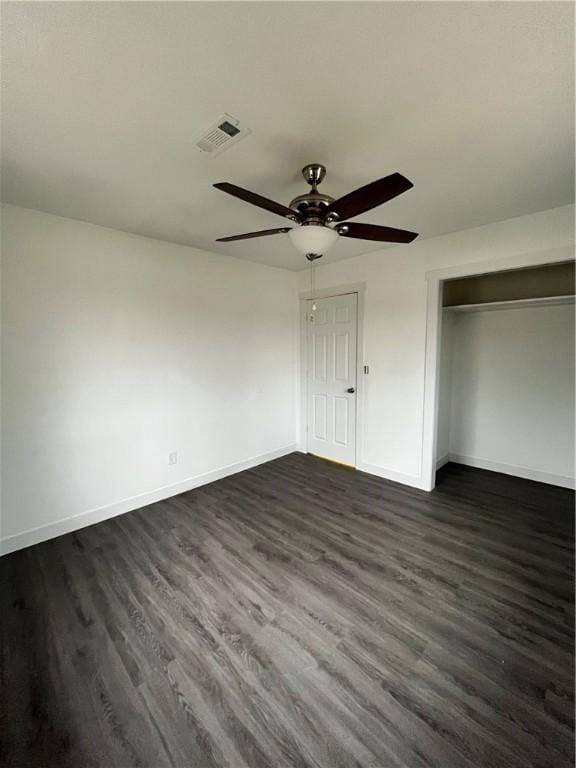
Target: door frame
{"x":435,"y":285}
{"x":326,"y":293}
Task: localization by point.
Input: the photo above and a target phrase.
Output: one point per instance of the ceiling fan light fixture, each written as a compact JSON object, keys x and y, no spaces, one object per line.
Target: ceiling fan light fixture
{"x":312,"y":238}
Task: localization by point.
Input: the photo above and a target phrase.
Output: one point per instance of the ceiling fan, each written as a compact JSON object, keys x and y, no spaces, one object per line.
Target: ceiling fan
{"x":320,"y":218}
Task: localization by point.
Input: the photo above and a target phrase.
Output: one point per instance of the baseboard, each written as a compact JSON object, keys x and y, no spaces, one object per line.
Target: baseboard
{"x":441,"y":461}
{"x":414,"y":481}
{"x":75,"y":522}
{"x":513,"y":469}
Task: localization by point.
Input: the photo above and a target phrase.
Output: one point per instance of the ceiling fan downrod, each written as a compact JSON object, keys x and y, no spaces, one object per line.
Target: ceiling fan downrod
{"x":314,"y":173}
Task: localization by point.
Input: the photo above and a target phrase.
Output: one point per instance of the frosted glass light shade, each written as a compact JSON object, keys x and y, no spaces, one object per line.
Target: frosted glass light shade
{"x":313,"y":239}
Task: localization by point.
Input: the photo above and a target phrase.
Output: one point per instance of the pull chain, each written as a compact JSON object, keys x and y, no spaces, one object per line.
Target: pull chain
{"x":312,"y":288}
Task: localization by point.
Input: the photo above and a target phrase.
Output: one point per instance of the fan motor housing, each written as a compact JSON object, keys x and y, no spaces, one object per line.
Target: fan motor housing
{"x":311,"y":205}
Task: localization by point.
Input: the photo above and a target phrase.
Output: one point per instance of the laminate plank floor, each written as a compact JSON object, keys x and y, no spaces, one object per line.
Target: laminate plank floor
{"x":299,"y":614}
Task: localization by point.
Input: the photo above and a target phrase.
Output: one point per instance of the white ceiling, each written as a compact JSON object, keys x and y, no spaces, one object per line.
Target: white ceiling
{"x":102,"y":104}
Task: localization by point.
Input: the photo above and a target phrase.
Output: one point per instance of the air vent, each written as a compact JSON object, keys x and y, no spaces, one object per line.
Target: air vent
{"x":221,"y":135}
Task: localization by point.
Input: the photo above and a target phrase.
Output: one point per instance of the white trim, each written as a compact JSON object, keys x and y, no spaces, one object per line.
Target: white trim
{"x":435,"y":278}
{"x":336,"y":290}
{"x":326,"y":293}
{"x":491,"y":306}
{"x":91,"y":516}
{"x":513,"y":469}
{"x":391,"y":474}
{"x":431,"y":388}
{"x":302,"y":432}
{"x":530,"y":259}
{"x":444,"y":460}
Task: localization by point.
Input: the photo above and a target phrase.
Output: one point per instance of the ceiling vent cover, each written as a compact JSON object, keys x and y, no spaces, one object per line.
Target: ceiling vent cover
{"x":221,"y":135}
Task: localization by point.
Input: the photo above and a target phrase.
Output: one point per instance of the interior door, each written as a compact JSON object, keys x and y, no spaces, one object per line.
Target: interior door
{"x":331,"y":377}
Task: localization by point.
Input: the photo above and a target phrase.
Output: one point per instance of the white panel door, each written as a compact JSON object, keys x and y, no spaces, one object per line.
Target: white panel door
{"x":331,"y":382}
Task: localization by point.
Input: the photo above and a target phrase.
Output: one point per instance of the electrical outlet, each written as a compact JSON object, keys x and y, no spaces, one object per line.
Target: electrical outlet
{"x":173,"y":458}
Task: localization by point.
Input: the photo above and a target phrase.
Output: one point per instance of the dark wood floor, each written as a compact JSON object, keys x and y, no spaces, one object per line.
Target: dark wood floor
{"x":299,"y":614}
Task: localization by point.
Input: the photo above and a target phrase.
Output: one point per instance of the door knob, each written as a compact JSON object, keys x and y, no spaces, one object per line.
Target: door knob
{"x":350,"y":390}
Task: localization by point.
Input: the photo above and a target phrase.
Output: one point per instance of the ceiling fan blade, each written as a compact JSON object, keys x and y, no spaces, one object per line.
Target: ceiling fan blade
{"x":370,"y":196}
{"x":261,"y":202}
{"x":248,"y":235}
{"x":374,"y":232}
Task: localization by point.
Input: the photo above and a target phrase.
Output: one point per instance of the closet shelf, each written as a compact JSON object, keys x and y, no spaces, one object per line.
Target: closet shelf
{"x":545,"y":301}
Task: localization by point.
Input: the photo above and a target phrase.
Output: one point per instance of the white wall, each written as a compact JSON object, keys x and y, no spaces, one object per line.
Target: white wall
{"x":119,"y":349}
{"x":395,"y":323}
{"x":512,"y":394}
